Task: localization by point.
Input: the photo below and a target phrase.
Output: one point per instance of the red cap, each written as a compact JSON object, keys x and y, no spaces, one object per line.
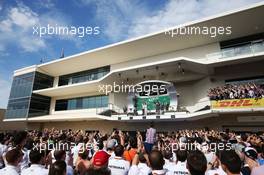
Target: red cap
{"x":100,"y":158}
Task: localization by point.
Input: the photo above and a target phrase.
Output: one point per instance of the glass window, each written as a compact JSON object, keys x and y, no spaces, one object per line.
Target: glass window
{"x":42,"y":81}
{"x":79,"y":103}
{"x":98,"y":101}
{"x":17,"y":108}
{"x":85,"y":103}
{"x":71,"y":104}
{"x":21,"y":101}
{"x":83,"y":76}
{"x":91,"y":102}
{"x":20,"y":96}
{"x":100,"y":75}
{"x":61,"y":105}
{"x":82,"y":103}
{"x":39,"y":105}
{"x":22,"y":86}
{"x":104,"y":101}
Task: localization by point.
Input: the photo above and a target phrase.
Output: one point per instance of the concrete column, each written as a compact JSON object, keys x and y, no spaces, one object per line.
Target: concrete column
{"x":52,"y":105}
{"x":111,"y":98}
{"x":56,"y":82}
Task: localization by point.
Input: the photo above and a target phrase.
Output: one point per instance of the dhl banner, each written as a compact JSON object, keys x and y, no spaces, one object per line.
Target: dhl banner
{"x":238,"y":103}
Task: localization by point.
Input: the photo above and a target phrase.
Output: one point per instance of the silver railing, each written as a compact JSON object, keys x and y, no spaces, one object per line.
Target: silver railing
{"x":111,"y":107}
{"x":252,"y":48}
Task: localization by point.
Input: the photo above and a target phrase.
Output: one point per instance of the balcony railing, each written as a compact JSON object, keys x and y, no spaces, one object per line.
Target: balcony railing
{"x":110,"y":108}
{"x":115,"y":111}
{"x":252,"y":48}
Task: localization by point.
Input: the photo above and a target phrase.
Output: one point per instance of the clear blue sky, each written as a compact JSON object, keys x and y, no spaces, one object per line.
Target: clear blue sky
{"x":118,"y":20}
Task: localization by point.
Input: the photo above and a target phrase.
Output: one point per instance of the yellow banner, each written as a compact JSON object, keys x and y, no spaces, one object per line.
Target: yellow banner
{"x":238,"y":103}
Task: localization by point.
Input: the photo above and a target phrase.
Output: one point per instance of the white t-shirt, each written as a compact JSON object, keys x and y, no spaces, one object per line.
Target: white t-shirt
{"x":118,"y":166}
{"x":159,"y":172}
{"x":218,"y":171}
{"x":75,"y":152}
{"x":178,"y":168}
{"x":52,"y":156}
{"x":3,"y":150}
{"x":9,"y":170}
{"x":112,"y":155}
{"x":209,"y":156}
{"x":25,"y":161}
{"x":35,"y":169}
{"x":140,"y":169}
{"x":168,"y":164}
{"x":251,"y":93}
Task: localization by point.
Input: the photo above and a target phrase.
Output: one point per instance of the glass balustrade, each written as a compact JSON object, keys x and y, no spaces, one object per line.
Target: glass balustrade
{"x":252,"y":48}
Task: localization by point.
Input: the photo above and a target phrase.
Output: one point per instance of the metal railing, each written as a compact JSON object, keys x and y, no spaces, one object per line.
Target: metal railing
{"x":110,"y":107}
{"x":116,"y":111}
{"x":251,"y":48}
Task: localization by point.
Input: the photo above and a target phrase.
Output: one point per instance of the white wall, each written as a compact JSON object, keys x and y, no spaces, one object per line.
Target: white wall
{"x":186,"y":93}
{"x":193,"y":53}
{"x":120,"y":100}
{"x":200,"y":88}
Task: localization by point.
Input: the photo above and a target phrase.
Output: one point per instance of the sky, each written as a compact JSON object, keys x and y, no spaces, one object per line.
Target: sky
{"x":117,"y":20}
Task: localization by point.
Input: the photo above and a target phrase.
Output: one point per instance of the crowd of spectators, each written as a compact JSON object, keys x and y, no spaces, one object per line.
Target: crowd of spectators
{"x":236,"y":91}
{"x":195,"y":152}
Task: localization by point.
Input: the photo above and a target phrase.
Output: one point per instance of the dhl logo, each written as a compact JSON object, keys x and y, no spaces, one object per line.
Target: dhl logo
{"x":238,"y":103}
{"x":235,"y":103}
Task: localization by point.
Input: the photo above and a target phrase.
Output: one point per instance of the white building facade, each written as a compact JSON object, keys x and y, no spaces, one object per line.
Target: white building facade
{"x":65,"y":93}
